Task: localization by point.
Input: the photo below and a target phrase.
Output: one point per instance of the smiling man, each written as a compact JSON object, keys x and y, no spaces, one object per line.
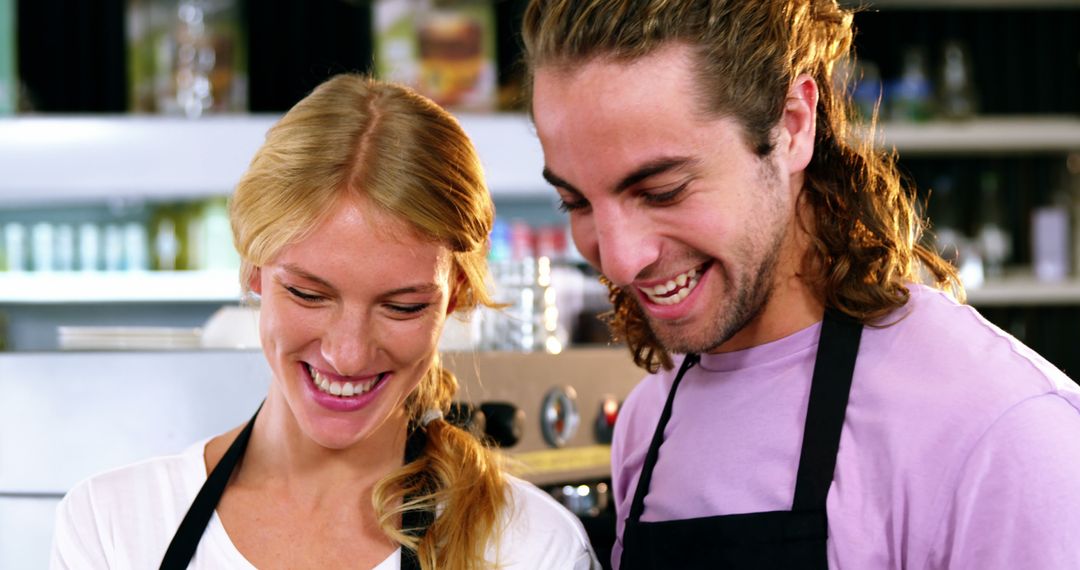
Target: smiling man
{"x":810,"y":403}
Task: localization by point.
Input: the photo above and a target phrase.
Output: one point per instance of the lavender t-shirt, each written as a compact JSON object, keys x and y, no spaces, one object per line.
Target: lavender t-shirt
{"x":960,"y":447}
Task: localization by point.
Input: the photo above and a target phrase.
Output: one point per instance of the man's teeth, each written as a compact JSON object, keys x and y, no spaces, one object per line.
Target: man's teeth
{"x":343,"y":389}
{"x":682,"y":285}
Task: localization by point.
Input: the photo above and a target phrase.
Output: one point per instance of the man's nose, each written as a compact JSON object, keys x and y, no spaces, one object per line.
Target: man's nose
{"x":626,"y":245}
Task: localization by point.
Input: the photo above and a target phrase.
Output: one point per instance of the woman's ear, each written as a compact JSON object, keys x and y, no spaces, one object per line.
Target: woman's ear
{"x":455,"y":290}
{"x":255,"y":281}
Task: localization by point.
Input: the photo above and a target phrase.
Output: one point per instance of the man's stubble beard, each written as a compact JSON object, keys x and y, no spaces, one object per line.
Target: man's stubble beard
{"x":748,"y":299}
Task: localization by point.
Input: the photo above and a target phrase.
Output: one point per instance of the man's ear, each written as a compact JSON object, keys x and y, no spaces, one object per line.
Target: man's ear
{"x":255,"y":281}
{"x":799,"y":123}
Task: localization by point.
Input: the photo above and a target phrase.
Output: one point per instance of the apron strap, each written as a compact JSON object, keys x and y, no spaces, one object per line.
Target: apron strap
{"x":829,"y":391}
{"x":414,"y":522}
{"x":186,"y":540}
{"x":638,"y":505}
{"x":187,"y":537}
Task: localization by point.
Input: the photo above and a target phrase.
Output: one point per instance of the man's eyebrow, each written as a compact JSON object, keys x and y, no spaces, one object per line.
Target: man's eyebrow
{"x":650,"y":169}
{"x":557,"y":181}
{"x":644,"y":172}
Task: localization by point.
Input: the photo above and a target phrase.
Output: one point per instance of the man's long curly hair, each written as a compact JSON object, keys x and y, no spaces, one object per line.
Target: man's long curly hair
{"x":864,"y":227}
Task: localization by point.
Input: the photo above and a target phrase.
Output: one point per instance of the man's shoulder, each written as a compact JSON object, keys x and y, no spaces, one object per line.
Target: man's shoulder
{"x":937,"y":358}
{"x":938,"y":341}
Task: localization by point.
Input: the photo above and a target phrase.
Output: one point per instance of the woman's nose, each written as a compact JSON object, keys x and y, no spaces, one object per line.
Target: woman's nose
{"x":349,"y":345}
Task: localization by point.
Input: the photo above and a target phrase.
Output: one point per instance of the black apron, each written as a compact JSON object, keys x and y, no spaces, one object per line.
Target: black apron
{"x":186,"y":540}
{"x":768,"y":540}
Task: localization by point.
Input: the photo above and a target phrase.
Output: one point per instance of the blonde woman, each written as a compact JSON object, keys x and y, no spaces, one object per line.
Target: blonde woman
{"x":362,"y":225}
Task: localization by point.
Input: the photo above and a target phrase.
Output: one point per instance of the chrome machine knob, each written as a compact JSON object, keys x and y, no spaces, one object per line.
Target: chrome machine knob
{"x":559,"y":416}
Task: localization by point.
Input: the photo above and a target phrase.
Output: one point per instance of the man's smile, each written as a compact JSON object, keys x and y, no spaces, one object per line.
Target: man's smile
{"x":675,"y":289}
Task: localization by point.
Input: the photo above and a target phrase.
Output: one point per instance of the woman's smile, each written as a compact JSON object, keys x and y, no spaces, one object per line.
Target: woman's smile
{"x":351,"y":396}
{"x":326,"y":383}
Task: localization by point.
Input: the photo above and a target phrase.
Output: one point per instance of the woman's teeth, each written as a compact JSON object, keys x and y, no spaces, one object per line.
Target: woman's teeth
{"x":342,"y":389}
{"x":675,"y":290}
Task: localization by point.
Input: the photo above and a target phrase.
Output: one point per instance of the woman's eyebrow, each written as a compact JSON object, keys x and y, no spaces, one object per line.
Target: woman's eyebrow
{"x":304,"y":274}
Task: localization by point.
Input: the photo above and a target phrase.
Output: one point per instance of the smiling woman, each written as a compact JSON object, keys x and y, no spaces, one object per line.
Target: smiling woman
{"x":362,"y":224}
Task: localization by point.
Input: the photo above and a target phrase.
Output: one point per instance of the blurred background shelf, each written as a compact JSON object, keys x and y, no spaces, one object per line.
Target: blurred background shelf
{"x":984,"y":135}
{"x":72,"y":159}
{"x":221,"y":286}
{"x":68,"y":159}
{"x":1024,"y":291}
{"x":62,"y":288}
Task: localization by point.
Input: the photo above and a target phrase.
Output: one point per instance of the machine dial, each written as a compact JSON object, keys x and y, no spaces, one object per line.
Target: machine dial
{"x":559,"y":416}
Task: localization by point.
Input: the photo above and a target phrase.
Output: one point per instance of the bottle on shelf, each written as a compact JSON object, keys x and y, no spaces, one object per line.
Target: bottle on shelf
{"x":186,"y":57}
{"x":910,"y":96}
{"x":136,"y":255}
{"x":64,"y":246}
{"x":950,"y":241}
{"x":42,"y":247}
{"x":944,"y":219}
{"x":957,"y":98}
{"x":90,"y":251}
{"x":993,"y":239}
{"x":1050,"y":236}
{"x":209,"y":236}
{"x":1053,"y":226}
{"x":113,"y":247}
{"x":1071,"y":187}
{"x":15,"y":248}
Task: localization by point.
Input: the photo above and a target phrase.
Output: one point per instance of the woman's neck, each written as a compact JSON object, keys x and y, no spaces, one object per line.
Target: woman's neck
{"x":282,"y":459}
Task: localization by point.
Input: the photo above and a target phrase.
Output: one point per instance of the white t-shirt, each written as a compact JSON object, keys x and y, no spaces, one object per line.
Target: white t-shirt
{"x":125,"y":519}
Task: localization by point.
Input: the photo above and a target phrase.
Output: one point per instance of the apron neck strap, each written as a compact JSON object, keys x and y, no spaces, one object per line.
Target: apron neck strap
{"x":834,"y":367}
{"x":638,"y":505}
{"x":186,"y":540}
{"x":187,"y":537}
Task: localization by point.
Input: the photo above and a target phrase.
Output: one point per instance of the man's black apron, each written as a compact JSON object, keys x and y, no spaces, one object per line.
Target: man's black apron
{"x":769,"y":540}
{"x":186,"y":540}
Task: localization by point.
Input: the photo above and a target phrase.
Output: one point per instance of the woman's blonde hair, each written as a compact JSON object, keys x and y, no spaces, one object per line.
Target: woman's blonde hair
{"x":357,"y":136}
{"x":864,"y":228}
